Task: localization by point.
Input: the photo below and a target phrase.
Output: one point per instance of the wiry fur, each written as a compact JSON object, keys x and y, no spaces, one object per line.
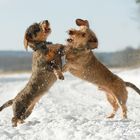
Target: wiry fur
{"x":42,"y":77}
{"x":81,"y":62}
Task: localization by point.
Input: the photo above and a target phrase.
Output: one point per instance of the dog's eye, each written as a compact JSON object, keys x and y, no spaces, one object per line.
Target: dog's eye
{"x":37,"y":30}
{"x":46,"y":22}
{"x":71,"y":32}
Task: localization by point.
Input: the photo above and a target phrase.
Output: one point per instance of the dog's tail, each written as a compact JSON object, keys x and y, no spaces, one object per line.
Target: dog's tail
{"x":129,"y":84}
{"x":7,"y":104}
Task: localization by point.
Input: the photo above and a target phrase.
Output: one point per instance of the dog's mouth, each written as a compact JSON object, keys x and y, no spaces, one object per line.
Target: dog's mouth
{"x":47,"y":29}
{"x":45,"y":26}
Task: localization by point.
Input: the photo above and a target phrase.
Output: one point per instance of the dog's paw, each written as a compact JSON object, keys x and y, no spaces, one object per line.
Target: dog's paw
{"x":64,"y":68}
{"x":110,"y":116}
{"x":61,"y":77}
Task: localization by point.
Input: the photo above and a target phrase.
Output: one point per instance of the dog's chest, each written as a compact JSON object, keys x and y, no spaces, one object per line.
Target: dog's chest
{"x":73,"y":55}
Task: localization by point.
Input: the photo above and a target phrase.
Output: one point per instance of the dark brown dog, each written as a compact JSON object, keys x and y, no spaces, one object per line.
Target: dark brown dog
{"x":46,"y":66}
{"x":36,"y":33}
{"x":81,"y":62}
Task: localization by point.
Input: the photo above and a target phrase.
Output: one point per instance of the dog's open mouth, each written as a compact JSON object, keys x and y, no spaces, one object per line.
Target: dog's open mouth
{"x":47,"y":29}
{"x":45,"y":26}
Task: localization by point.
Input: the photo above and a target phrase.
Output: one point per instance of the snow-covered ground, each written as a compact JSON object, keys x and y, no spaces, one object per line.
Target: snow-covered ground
{"x":71,"y":110}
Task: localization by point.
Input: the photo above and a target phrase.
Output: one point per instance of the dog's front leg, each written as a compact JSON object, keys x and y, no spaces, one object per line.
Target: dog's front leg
{"x":65,"y":68}
{"x":58,"y":73}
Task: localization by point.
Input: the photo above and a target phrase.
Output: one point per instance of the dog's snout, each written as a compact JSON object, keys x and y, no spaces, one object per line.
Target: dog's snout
{"x":69,"y":40}
{"x":45,"y":22}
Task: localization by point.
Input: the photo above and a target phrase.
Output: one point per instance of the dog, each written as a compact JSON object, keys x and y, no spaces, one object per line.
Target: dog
{"x":82,"y":63}
{"x":37,"y":32}
{"x":46,"y":67}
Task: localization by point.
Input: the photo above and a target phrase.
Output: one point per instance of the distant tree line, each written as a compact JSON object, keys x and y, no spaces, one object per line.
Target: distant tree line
{"x":138,"y":1}
{"x":11,"y":61}
{"x":22,"y":61}
{"x":128,"y":57}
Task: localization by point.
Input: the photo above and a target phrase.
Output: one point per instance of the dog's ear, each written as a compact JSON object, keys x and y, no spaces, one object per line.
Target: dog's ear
{"x":93,"y":42}
{"x":81,"y":22}
{"x":27,"y":38}
{"x":25,"y":42}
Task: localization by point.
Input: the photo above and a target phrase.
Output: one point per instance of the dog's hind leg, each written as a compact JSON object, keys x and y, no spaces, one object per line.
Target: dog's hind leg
{"x":121,"y":96}
{"x":19,"y":108}
{"x":122,"y":99}
{"x":113,"y":103}
{"x":20,"y":119}
{"x":124,"y":111}
{"x":28,"y":112}
{"x":14,"y":121}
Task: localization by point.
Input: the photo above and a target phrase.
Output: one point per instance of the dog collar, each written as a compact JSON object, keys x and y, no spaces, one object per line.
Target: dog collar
{"x":41,"y":45}
{"x":76,"y":50}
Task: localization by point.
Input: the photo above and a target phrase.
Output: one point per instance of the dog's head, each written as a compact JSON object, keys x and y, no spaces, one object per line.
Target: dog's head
{"x":37,"y":32}
{"x":82,"y":37}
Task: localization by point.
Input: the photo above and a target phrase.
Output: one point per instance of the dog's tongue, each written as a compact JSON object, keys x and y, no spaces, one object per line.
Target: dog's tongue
{"x":47,"y":30}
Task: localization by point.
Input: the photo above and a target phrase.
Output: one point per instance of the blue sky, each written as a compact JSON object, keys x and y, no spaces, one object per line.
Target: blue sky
{"x":112,"y":20}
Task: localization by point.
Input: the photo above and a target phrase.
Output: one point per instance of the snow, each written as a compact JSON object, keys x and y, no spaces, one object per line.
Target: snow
{"x":72,"y":110}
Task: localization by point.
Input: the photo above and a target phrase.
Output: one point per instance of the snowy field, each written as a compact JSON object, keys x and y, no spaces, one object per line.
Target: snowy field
{"x":71,"y":110}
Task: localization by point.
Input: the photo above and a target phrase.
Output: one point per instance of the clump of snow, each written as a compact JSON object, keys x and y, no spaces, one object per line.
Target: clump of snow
{"x":72,"y":110}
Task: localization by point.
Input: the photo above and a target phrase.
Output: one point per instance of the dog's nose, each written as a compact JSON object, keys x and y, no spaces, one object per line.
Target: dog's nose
{"x":69,"y":40}
{"x":46,"y":22}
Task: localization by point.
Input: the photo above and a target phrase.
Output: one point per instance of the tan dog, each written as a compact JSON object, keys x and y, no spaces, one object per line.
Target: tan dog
{"x":46,"y":66}
{"x":81,"y":62}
